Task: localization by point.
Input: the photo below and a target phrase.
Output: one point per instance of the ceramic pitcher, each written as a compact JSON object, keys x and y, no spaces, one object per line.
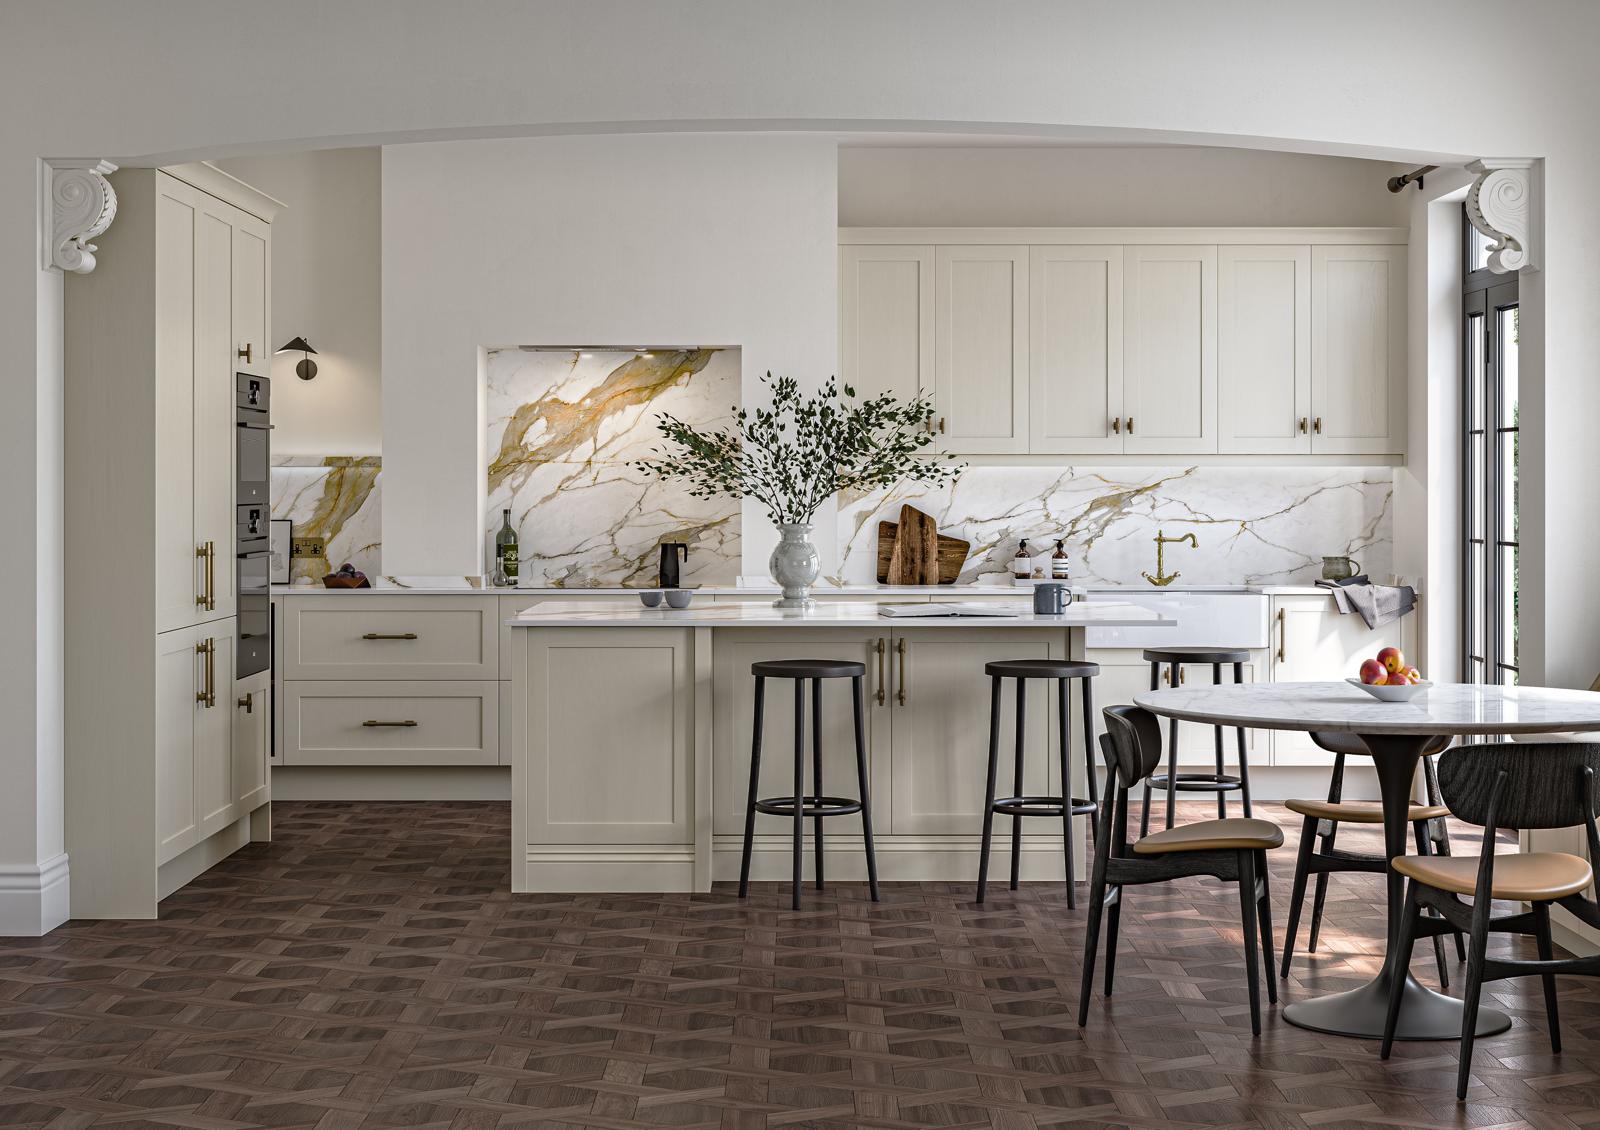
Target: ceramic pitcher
{"x":1339,"y":568}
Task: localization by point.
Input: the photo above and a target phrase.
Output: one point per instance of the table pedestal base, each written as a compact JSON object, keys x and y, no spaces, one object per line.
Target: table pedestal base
{"x":1424,"y":1014}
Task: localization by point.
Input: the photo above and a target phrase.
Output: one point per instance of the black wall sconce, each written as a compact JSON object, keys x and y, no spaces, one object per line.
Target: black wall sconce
{"x":305,"y":368}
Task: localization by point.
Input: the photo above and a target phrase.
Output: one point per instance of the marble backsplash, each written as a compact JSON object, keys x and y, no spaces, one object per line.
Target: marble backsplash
{"x":334,"y":497}
{"x":1256,"y":525}
{"x":562,"y":430}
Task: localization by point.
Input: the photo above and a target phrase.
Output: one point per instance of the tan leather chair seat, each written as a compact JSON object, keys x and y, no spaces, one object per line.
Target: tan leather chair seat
{"x":1232,"y":834}
{"x":1359,"y":811}
{"x":1536,"y":876}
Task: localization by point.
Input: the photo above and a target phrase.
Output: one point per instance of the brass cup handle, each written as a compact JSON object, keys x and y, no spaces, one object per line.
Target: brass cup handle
{"x":371,"y":722}
{"x":208,"y":594}
{"x":247,"y":703}
{"x":389,"y":635}
{"x":900,"y":650}
{"x":879,"y":649}
{"x":1283,"y":636}
{"x":248,"y":353}
{"x":207,"y":695}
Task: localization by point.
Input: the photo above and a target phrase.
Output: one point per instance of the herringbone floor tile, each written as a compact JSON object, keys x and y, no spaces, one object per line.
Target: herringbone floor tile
{"x":369,"y":969}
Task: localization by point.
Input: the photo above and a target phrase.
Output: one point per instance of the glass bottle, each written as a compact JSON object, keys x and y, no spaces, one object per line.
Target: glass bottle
{"x":1060,"y":565}
{"x":505,"y":550}
{"x":1022,"y":564}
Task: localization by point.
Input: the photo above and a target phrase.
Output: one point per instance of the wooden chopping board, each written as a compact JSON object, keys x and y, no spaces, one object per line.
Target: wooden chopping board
{"x":920,"y":563}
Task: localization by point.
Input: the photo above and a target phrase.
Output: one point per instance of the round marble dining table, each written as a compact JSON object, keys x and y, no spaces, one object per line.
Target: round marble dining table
{"x":1395,"y":734}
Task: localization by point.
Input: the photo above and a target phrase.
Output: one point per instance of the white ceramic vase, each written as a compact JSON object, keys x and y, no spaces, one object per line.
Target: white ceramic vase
{"x":794,"y":565}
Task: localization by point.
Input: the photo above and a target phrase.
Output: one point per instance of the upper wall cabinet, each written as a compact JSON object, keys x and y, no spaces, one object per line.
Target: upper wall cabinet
{"x":1075,"y":350}
{"x":1144,"y":342}
{"x":1358,"y":349}
{"x":981,"y":349}
{"x":1169,"y":350}
{"x":886,"y":320}
{"x":1264,"y":349}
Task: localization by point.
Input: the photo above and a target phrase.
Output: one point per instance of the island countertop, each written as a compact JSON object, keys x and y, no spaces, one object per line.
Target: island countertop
{"x":833,"y":614}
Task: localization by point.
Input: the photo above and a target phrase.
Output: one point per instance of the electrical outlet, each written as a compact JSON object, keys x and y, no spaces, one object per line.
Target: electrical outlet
{"x":308,"y":547}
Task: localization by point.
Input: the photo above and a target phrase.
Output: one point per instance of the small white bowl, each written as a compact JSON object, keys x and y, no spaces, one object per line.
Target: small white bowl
{"x":1384,"y":692}
{"x":650,"y":598}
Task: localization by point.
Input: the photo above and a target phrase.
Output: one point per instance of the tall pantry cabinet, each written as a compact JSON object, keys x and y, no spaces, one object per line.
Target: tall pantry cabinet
{"x":165,"y":752}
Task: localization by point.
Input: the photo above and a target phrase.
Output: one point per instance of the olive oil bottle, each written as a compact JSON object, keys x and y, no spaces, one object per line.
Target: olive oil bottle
{"x":505,"y":549}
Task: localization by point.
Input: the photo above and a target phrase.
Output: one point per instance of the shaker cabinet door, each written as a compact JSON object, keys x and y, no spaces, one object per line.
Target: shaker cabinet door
{"x":1169,"y":357}
{"x":179,"y":574}
{"x":252,"y":296}
{"x":216,"y":797}
{"x":1358,"y":351}
{"x":886,"y":320}
{"x":214,"y":430}
{"x":1264,"y":350}
{"x":981,"y":350}
{"x":1075,"y":350}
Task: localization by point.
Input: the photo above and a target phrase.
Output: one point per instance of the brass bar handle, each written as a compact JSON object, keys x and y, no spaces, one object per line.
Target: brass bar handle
{"x":1166,"y":676}
{"x":1283,"y":636}
{"x":1316,"y":425}
{"x":900,"y":650}
{"x":247,"y":703}
{"x":208,"y":593}
{"x":1116,"y":425}
{"x":880,"y":649}
{"x":248,"y":353}
{"x":370,"y":722}
{"x":207,"y":696}
{"x":1302,"y":425}
{"x":1130,"y":425}
{"x":389,"y":636}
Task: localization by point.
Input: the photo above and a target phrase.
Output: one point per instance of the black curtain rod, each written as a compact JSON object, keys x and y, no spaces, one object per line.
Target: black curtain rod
{"x":1398,"y":184}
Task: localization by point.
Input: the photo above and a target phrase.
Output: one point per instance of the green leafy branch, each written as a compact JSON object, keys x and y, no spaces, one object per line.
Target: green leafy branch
{"x":799,"y":452}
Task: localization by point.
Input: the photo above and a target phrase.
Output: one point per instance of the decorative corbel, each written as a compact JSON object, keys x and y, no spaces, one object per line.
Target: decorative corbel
{"x":81,"y":206}
{"x":1504,"y":204}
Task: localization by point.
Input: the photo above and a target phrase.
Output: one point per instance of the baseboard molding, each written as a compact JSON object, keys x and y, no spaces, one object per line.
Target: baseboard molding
{"x":391,"y":782}
{"x":614,"y":868}
{"x":34,"y":897}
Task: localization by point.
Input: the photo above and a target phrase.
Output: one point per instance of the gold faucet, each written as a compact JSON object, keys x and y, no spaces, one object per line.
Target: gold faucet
{"x":1162,"y":577}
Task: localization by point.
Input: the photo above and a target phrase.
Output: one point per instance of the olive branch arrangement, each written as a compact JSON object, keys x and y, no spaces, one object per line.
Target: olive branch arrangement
{"x":795,"y":455}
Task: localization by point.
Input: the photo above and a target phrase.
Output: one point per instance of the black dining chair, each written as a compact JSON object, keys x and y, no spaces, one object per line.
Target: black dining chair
{"x":1320,"y":856}
{"x":1233,"y":850}
{"x":1525,"y":785}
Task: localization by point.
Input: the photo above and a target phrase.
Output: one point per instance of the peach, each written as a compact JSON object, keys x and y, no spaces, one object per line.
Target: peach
{"x":1391,"y":659}
{"x":1372,"y":673}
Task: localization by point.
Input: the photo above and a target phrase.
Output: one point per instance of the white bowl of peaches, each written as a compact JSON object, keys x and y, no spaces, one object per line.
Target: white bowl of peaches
{"x":1389,"y":678}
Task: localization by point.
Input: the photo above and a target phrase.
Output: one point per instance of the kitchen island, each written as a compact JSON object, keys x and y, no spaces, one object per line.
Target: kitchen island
{"x":630,"y":738}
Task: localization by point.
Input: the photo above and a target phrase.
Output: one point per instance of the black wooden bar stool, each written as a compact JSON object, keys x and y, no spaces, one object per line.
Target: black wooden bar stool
{"x":1064,"y":807}
{"x":1173,"y":781}
{"x":800,"y":805}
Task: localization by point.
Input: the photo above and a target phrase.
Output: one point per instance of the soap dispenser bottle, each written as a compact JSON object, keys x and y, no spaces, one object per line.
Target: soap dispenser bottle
{"x":1060,"y":565}
{"x":1022,"y":564}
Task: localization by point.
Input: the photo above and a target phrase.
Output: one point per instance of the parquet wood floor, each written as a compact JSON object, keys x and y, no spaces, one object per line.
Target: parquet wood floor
{"x":369,"y":969}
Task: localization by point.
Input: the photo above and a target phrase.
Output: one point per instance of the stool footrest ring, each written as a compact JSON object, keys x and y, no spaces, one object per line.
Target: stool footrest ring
{"x":1041,"y":806}
{"x":1198,"y":782}
{"x":810,"y":806}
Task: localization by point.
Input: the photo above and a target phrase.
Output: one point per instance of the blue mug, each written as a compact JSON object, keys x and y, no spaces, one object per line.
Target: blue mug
{"x":1050,"y":598}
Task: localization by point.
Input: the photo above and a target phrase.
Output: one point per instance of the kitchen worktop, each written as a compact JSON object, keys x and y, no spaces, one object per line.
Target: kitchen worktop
{"x":833,"y":614}
{"x":471,"y":586}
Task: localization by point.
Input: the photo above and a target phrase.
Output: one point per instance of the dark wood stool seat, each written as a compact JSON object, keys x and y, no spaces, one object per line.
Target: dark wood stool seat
{"x":800,"y":805}
{"x":808,"y":669}
{"x":1042,"y":669}
{"x":1020,"y":805}
{"x":1196,"y":655}
{"x":1173,"y":782}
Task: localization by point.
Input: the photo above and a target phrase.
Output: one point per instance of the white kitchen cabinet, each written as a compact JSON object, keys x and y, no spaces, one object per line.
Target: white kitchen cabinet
{"x":1264,"y":349}
{"x":1075,"y":350}
{"x":1169,"y":352}
{"x":886,"y":320}
{"x":252,"y":296}
{"x":1123,"y":675}
{"x":391,"y":722}
{"x":981,"y":349}
{"x":252,"y":727}
{"x":150,"y":771}
{"x":1313,"y":642}
{"x":1358,"y":349}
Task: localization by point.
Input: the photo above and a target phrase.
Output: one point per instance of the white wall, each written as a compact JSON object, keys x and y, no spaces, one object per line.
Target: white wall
{"x":1368,"y":78}
{"x":326,"y":261}
{"x":720,"y":239}
{"x":1081,"y":186}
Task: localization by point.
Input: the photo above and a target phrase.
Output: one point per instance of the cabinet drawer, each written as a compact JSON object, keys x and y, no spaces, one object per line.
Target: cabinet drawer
{"x":391,"y":637}
{"x":445,"y":722}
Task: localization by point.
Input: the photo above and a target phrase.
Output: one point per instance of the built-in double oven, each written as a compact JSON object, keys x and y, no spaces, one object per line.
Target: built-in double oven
{"x":252,"y":494}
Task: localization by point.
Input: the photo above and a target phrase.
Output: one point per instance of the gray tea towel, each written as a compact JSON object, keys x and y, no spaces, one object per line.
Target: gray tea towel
{"x":1376,"y":604}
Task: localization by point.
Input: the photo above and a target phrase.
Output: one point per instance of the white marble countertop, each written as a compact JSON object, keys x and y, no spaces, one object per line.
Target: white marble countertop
{"x":467,"y":586}
{"x":833,"y":614}
{"x":1444,"y":708}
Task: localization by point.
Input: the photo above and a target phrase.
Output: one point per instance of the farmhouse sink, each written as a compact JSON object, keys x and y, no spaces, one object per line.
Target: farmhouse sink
{"x":1206,"y":617}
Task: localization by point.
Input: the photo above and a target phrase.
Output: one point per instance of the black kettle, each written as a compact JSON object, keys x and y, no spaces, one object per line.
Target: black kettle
{"x":669,"y":577}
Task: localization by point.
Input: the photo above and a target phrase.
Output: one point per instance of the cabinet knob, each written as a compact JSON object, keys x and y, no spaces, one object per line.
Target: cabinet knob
{"x":1302,"y":425}
{"x":941,"y":425}
{"x":1316,"y":425}
{"x":247,"y":353}
{"x":247,"y":703}
{"x":1116,"y":425}
{"x":1130,"y":425}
